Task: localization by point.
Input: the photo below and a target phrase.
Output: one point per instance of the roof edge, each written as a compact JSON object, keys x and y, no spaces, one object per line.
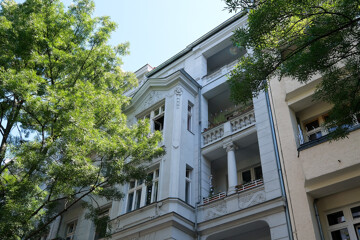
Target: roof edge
{"x":196,"y":42}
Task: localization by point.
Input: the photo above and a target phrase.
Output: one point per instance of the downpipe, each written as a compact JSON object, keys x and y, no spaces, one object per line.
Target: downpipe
{"x":277,"y":156}
{"x":199,"y":171}
{"x":318,"y":220}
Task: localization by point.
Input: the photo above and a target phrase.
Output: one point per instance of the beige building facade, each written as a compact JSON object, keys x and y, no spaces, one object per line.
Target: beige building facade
{"x":322,"y":177}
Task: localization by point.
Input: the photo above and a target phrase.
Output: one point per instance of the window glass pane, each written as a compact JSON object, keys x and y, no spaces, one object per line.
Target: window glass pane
{"x":132,"y":184}
{"x":138,"y":199}
{"x":130,"y":201}
{"x":341,"y":234}
{"x":312,"y":125}
{"x":155,"y":191}
{"x":148,"y":194}
{"x":157,"y":173}
{"x":355,"y":211}
{"x":157,"y":111}
{"x":246,"y":176}
{"x":335,"y":218}
{"x":159,"y":123}
{"x":187,"y":173}
{"x":101,"y":226}
{"x":357,"y":230}
{"x":258,"y":172}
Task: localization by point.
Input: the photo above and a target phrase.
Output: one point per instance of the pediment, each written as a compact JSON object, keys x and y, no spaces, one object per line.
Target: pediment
{"x":154,"y":90}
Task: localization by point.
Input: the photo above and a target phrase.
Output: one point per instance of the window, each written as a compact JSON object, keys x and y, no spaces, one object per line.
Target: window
{"x":355,"y":212}
{"x":157,"y":118}
{"x":336,"y":218}
{"x":134,"y":195}
{"x":250,"y":175}
{"x":188,"y":185}
{"x":341,"y":234}
{"x":344,"y":224}
{"x":70,"y":230}
{"x":152,"y":187}
{"x":101,"y":225}
{"x":189,"y":117}
{"x":314,"y":128}
{"x":136,"y":198}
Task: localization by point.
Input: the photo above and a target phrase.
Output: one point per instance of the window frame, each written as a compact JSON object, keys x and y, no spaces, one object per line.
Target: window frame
{"x":349,"y":222}
{"x":70,"y":235}
{"x":140,"y":187}
{"x":155,"y":113}
{"x":188,"y":176}
{"x":104,"y":212}
{"x":190,"y":116}
{"x":252,"y":174}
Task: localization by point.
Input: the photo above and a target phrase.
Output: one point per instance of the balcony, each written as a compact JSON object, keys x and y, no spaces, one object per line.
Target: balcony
{"x":239,"y":189}
{"x":232,"y":126}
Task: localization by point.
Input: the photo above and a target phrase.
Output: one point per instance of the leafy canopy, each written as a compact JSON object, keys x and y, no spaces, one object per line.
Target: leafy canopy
{"x":299,"y":39}
{"x":64,"y":135}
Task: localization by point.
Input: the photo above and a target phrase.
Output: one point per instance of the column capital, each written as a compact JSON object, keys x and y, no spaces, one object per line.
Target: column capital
{"x":230,"y":146}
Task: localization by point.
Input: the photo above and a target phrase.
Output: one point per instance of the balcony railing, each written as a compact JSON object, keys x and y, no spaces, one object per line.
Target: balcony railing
{"x":250,"y":185}
{"x":239,"y":189}
{"x":214,"y":197}
{"x":234,"y":125}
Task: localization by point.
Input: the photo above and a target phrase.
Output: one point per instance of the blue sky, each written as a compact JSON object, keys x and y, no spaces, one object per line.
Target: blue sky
{"x":158,"y":29}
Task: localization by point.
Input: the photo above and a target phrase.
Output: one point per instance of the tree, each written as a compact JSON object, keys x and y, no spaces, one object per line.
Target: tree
{"x":64,"y":134}
{"x":300,"y":39}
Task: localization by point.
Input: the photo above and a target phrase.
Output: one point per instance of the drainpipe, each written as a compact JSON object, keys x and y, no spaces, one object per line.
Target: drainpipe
{"x":318,"y":220}
{"x":283,"y":193}
{"x":199,"y":171}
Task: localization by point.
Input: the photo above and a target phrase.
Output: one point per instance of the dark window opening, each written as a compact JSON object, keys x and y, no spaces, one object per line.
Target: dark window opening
{"x":159,"y":123}
{"x":130,"y":201}
{"x":342,"y":234}
{"x":312,"y":125}
{"x":258,"y":173}
{"x":138,"y":199}
{"x":355,"y":211}
{"x":246,"y":176}
{"x":101,"y":225}
{"x":336,"y":218}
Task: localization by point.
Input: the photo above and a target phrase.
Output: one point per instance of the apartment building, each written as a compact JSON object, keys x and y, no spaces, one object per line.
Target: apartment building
{"x":220,"y":177}
{"x":322,"y":176}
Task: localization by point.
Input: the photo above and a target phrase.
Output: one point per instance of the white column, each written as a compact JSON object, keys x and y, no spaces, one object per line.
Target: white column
{"x":231,"y":166}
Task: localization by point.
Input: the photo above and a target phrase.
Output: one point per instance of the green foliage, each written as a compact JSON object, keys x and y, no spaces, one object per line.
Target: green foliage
{"x":301,"y":39}
{"x":64,"y":135}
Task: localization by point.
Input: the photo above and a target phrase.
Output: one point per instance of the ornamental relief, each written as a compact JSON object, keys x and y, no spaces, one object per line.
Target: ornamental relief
{"x":152,"y":98}
{"x":216,"y":210}
{"x":251,"y":198}
{"x":245,"y":200}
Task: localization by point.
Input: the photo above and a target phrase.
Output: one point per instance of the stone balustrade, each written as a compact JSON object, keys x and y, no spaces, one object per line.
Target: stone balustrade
{"x":236,"y":124}
{"x":213,"y":134}
{"x":242,"y":121}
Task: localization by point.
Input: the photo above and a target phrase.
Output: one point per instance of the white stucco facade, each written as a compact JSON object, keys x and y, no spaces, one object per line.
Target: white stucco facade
{"x":219,"y":178}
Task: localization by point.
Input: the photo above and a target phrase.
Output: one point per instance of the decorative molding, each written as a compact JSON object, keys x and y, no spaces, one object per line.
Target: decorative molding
{"x":230,"y":146}
{"x":216,"y":210}
{"x":252,"y":198}
{"x":178,"y":92}
{"x":152,"y":98}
